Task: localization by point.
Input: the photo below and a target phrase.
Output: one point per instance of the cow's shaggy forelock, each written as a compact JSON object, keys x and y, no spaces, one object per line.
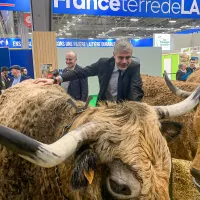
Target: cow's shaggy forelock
{"x":41,"y":112}
{"x":134,"y":138}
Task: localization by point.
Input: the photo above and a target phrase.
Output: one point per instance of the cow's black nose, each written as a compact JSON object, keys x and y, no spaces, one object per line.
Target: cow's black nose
{"x":119,"y":189}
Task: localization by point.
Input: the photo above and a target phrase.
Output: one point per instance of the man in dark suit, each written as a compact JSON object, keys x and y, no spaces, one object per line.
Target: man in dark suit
{"x":119,"y":76}
{"x":78,"y":89}
{"x":17,"y":76}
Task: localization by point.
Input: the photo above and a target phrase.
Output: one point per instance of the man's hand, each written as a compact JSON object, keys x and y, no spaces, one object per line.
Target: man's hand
{"x":44,"y":81}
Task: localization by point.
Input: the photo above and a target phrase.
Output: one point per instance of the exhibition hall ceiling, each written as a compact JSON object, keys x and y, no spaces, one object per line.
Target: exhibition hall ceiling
{"x":84,"y":26}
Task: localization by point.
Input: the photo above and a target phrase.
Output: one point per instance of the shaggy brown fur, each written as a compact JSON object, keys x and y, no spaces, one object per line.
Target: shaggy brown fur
{"x":157,"y":93}
{"x":42,"y":113}
{"x":196,"y":163}
{"x":24,"y":108}
{"x":194,"y":77}
{"x":183,"y":186}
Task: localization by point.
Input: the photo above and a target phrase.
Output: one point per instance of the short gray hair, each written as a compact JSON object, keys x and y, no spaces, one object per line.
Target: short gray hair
{"x":180,"y":65}
{"x":123,"y":45}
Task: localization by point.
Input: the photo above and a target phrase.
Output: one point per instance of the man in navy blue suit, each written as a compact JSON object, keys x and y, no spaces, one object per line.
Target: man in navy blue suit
{"x":17,"y":76}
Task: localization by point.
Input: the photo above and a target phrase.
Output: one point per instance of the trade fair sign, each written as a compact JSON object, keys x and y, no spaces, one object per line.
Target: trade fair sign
{"x":162,"y":40}
{"x":135,"y":8}
{"x":15,"y":43}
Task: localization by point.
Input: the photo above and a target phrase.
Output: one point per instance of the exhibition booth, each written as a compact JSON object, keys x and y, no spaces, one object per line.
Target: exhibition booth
{"x":162,"y":52}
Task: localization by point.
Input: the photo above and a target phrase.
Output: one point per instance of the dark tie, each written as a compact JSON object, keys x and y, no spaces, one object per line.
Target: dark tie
{"x":119,"y":88}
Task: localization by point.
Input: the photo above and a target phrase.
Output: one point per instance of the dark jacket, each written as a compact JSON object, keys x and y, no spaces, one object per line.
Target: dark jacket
{"x":6,"y":81}
{"x":103,"y":68}
{"x":78,"y":89}
{"x":190,"y":70}
{"x":179,"y":75}
{"x":23,"y":78}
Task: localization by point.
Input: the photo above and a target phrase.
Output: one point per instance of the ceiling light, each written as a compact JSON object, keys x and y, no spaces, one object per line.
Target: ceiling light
{"x":73,"y":17}
{"x":197,"y":26}
{"x":68,"y":22}
{"x":134,"y":20}
{"x":172,"y":21}
{"x":138,"y":28}
{"x":73,"y":24}
{"x":90,"y":38}
{"x":79,"y":19}
{"x":68,"y":33}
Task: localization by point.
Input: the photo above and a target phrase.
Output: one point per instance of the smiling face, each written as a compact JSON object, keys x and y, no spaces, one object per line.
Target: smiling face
{"x":71,"y":59}
{"x":123,"y":50}
{"x":123,"y":59}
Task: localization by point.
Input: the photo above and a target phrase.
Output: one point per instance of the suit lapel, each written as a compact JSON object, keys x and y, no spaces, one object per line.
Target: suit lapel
{"x":108,"y":73}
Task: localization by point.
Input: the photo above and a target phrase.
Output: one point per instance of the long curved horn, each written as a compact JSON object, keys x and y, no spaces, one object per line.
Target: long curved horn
{"x":174,"y":89}
{"x":180,"y":108}
{"x":46,"y":155}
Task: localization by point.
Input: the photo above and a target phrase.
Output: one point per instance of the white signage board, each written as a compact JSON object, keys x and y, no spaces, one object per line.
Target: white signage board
{"x":162,"y":40}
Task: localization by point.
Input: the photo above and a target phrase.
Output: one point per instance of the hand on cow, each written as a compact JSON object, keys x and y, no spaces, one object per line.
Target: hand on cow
{"x":44,"y":81}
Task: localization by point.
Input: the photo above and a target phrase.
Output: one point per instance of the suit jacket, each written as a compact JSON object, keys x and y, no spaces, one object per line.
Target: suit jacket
{"x":23,"y":78}
{"x":78,"y":88}
{"x":103,"y":68}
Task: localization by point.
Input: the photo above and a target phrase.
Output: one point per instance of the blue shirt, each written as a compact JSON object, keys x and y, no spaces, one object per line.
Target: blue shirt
{"x":16,"y":80}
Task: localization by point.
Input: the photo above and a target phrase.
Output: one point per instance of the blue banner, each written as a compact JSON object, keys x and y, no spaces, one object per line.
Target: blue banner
{"x":131,"y":8}
{"x":189,"y":31}
{"x":15,"y":5}
{"x":134,"y":8}
{"x":15,"y":43}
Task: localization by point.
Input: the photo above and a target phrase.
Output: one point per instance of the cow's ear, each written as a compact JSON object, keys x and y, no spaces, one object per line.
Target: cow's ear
{"x":84,"y":168}
{"x":170,"y":130}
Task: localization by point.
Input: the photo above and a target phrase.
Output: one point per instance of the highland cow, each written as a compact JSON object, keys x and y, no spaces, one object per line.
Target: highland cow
{"x":121,"y":145}
{"x":156,"y":92}
{"x":195,"y":166}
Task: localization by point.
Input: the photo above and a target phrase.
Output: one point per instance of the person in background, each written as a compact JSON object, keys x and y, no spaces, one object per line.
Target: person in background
{"x":181,"y":72}
{"x":5,"y":78}
{"x":24,"y":72}
{"x":189,"y":70}
{"x":17,"y":76}
{"x":119,"y":76}
{"x":192,"y":67}
{"x":78,"y":88}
